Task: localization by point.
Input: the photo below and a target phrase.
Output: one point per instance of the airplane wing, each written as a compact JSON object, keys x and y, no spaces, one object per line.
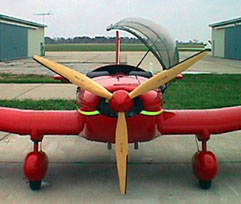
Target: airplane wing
{"x":200,"y":122}
{"x":40,"y":123}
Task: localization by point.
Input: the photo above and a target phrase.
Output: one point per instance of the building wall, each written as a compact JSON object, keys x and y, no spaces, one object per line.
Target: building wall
{"x":218,"y":42}
{"x":13,"y":42}
{"x":35,"y":41}
{"x":233,"y":42}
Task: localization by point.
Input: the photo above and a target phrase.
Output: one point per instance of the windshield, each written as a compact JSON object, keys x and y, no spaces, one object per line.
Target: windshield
{"x":157,"y":40}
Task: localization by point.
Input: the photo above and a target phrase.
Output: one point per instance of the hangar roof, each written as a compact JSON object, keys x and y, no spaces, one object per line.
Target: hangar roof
{"x":17,"y":20}
{"x":227,"y":22}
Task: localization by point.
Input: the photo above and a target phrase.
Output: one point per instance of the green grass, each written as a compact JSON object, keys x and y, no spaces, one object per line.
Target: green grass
{"x":51,"y":104}
{"x":193,"y":92}
{"x":26,"y":78}
{"x":93,"y":47}
{"x":204,"y":91}
{"x":111,"y":47}
{"x":193,"y":45}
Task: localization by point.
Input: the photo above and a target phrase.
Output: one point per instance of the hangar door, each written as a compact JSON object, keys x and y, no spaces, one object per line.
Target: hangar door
{"x":13,"y":42}
{"x":233,"y":43}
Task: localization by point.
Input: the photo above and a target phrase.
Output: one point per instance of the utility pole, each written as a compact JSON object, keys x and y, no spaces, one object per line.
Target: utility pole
{"x":42,"y":47}
{"x":44,"y":14}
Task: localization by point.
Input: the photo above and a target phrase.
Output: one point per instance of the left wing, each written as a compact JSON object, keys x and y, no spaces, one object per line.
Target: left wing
{"x":199,"y":122}
{"x":40,"y":123}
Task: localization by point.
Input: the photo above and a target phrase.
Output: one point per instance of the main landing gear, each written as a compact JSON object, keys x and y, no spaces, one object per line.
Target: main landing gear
{"x":205,"y":166}
{"x":35,"y":167}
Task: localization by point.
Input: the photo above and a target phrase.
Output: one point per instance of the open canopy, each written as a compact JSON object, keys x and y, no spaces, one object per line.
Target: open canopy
{"x":157,"y":40}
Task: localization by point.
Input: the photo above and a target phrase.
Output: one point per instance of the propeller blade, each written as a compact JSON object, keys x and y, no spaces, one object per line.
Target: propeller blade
{"x":121,"y":141}
{"x":166,"y":75}
{"x":75,"y":77}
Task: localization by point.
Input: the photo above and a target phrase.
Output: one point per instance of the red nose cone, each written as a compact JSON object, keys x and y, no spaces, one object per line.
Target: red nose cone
{"x":121,"y":102}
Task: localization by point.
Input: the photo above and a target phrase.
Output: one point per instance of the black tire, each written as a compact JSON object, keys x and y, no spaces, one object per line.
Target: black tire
{"x":35,"y":185}
{"x":205,"y":184}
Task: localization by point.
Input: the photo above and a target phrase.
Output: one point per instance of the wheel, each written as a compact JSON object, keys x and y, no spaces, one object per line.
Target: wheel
{"x":35,"y":185}
{"x":205,"y":184}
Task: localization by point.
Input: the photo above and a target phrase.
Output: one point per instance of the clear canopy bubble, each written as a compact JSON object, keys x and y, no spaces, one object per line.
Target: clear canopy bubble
{"x":156,"y":38}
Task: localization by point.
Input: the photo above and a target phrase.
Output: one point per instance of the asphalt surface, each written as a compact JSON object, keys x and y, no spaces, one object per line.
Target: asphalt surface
{"x":81,"y":171}
{"x":84,"y":61}
{"x":84,"y":172}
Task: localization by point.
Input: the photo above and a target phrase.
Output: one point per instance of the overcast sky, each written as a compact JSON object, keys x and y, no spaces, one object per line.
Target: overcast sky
{"x":184,"y":19}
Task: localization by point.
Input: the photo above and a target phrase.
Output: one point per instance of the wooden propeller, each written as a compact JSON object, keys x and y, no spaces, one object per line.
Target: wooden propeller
{"x":165,"y":76}
{"x":121,"y":140}
{"x":75,"y":77}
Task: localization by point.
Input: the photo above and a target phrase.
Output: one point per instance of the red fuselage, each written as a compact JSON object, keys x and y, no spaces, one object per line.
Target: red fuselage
{"x":101,"y":127}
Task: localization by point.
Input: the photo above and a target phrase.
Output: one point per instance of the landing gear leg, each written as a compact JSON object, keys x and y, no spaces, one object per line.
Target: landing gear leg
{"x":35,"y":167}
{"x":205,"y":166}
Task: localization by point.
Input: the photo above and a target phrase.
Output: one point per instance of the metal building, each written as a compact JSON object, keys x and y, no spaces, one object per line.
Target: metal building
{"x":20,"y":38}
{"x":226,"y":39}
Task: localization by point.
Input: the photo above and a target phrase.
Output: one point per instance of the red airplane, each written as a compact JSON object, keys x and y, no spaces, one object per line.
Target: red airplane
{"x":123,"y":104}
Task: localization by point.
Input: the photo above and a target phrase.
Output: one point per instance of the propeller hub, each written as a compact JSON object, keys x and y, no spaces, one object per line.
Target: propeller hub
{"x":121,"y":102}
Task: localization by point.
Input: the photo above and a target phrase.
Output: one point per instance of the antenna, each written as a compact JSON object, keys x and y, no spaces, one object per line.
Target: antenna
{"x":44,"y":14}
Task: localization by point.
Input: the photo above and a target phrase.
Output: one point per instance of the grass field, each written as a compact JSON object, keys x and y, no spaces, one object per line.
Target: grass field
{"x":193,"y":92}
{"x":51,"y":104}
{"x":111,"y":47}
{"x":93,"y":47}
{"x":204,"y":91}
{"x":23,"y":78}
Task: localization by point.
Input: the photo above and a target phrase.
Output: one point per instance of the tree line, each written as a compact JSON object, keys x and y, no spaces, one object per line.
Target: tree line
{"x":86,"y":39}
